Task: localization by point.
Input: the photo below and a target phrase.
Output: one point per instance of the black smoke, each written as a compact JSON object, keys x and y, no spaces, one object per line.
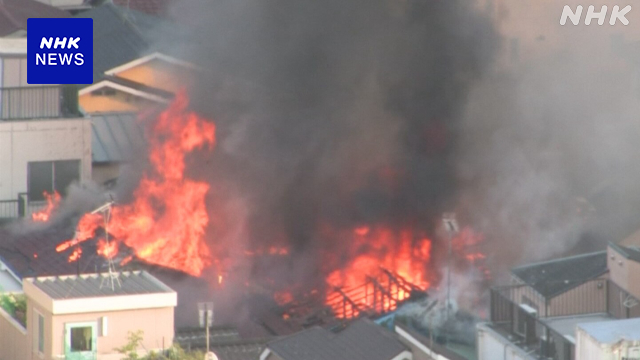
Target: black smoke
{"x":332,"y":113}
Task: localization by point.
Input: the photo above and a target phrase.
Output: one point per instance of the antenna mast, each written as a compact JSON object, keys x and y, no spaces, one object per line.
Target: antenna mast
{"x":112,"y":278}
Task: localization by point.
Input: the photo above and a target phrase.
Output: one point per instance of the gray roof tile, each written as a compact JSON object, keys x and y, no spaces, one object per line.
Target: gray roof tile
{"x":361,"y":340}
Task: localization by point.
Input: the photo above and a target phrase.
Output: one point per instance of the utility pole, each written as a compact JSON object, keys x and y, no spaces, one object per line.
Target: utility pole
{"x":451,"y":225}
{"x":205,"y":312}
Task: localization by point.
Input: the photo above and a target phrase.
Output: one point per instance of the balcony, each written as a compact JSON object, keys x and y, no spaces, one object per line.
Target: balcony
{"x":528,"y":325}
{"x":38,"y":102}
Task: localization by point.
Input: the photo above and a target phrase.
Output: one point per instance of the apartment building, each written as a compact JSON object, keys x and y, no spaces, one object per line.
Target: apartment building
{"x":540,"y":314}
{"x":45,"y":143}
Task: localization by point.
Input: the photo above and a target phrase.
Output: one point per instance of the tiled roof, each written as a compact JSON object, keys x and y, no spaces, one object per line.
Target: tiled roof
{"x":361,"y":340}
{"x":33,"y":253}
{"x":91,"y":285}
{"x":14,"y":14}
{"x":115,"y":137}
{"x":551,"y":278}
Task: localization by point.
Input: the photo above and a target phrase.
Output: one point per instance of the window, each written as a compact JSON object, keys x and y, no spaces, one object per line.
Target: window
{"x":47,"y":176}
{"x":81,"y":339}
{"x":38,"y":324}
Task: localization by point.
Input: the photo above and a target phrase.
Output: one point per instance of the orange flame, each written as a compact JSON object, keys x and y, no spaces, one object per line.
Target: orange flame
{"x":75,"y":255}
{"x":108,"y":250}
{"x":404,"y":253}
{"x":165,"y":224}
{"x":53,"y":201}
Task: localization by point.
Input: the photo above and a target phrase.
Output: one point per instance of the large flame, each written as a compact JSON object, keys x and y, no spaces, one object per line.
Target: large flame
{"x":166,"y":222}
{"x":402,"y":255}
{"x":53,"y":201}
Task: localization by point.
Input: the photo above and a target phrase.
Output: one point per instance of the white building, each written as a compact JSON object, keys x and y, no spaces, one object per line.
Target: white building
{"x":45,"y":144}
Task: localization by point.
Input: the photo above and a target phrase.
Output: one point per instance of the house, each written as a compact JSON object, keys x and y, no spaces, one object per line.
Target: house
{"x":116,"y":139}
{"x":45,"y":115}
{"x":538,"y":315}
{"x":624,"y":267}
{"x":143,"y":83}
{"x":547,"y":286}
{"x":360,"y":340}
{"x":33,"y":254}
{"x":122,"y":35}
{"x":14,"y":15}
{"x":88,"y":316}
{"x":608,"y":340}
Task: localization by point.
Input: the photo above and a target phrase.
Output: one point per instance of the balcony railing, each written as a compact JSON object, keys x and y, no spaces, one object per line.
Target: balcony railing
{"x":508,"y":314}
{"x":20,"y":207}
{"x":37,"y":102}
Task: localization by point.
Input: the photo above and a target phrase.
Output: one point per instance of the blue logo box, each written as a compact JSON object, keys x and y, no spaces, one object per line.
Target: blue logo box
{"x":60,"y":51}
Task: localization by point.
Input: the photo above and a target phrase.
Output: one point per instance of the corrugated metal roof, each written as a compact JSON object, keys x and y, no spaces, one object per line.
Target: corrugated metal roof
{"x":610,"y":332}
{"x":361,"y":340}
{"x":91,"y":285}
{"x":115,"y":137}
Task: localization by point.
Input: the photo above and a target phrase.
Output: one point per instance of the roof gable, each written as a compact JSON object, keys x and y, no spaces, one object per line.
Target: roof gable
{"x":156,"y":56}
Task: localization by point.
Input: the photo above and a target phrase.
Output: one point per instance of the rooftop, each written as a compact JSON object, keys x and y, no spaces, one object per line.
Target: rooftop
{"x":610,"y":332}
{"x":566,"y":325}
{"x":92,"y":285}
{"x":554,"y":277}
{"x":361,"y":340}
{"x":14,"y":14}
{"x":115,"y":137}
{"x":122,"y":35}
{"x":632,"y":252}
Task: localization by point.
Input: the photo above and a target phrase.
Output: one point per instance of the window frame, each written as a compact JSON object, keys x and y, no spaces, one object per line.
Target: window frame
{"x":94,"y":335}
{"x":39,"y":330}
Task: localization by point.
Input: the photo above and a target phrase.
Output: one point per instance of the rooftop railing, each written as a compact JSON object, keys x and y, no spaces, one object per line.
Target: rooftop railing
{"x":520,"y":312}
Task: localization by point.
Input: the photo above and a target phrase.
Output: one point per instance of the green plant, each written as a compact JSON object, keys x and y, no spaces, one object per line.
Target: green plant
{"x":15,"y":305}
{"x":130,"y":349}
{"x":177,"y":353}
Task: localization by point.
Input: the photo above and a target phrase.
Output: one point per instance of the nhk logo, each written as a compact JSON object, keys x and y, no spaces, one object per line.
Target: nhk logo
{"x":617,"y":14}
{"x":60,"y":51}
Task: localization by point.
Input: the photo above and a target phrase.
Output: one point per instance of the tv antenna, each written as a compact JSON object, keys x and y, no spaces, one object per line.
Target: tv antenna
{"x":112,"y":276}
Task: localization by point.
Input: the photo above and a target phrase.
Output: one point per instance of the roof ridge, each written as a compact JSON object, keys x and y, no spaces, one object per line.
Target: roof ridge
{"x":574,"y":257}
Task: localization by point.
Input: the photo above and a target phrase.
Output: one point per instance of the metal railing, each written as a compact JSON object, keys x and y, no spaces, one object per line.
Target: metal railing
{"x":9,"y":209}
{"x":530,"y":332}
{"x":20,"y":207}
{"x":526,"y":323}
{"x":19,"y":103}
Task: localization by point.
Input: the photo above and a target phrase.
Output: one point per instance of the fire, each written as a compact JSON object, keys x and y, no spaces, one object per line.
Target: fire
{"x":402,"y":255}
{"x":107,"y":249}
{"x":75,"y":255}
{"x":283,"y":297}
{"x":53,"y":201}
{"x":165,"y":223}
